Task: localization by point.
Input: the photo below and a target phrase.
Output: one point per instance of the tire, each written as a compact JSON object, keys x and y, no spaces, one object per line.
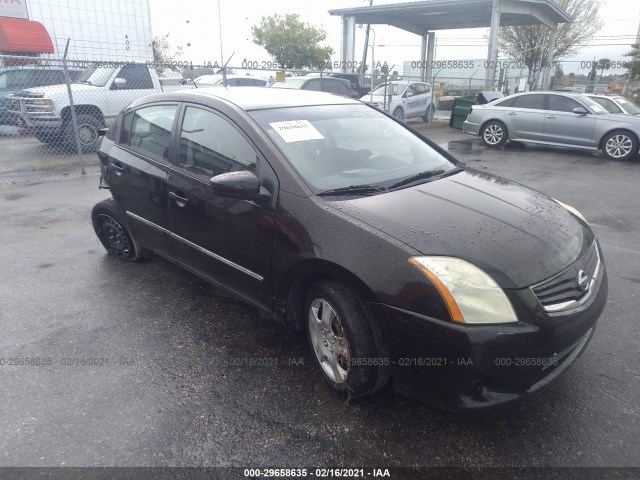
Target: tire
{"x":619,"y":145}
{"x":398,"y":114}
{"x":88,"y":126}
{"x":54,"y":137}
{"x":344,"y":340}
{"x":108,"y":223}
{"x":494,"y":134}
{"x":428,"y":118}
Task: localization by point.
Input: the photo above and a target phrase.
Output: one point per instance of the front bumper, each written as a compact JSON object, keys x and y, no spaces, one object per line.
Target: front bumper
{"x":469,"y":367}
{"x":20,"y":119}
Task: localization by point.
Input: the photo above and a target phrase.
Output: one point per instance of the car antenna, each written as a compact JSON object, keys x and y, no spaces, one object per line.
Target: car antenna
{"x":223,"y":69}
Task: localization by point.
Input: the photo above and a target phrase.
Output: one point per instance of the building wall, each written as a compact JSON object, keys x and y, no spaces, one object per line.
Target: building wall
{"x":105,"y":30}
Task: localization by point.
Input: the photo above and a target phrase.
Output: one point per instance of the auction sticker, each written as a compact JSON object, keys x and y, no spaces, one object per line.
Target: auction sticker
{"x":296,"y":131}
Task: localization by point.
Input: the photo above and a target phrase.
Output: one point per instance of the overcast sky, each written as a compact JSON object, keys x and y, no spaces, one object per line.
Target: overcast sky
{"x":194,"y":25}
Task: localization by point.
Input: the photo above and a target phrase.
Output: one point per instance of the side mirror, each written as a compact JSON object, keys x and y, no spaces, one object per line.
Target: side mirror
{"x":580,"y":111}
{"x":242,"y":185}
{"x":408,"y":94}
{"x":119,"y":83}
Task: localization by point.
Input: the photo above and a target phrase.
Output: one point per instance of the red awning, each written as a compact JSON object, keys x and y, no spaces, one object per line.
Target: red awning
{"x":24,"y":36}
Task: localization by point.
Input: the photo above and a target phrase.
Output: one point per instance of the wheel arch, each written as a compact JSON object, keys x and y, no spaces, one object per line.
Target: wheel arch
{"x":299,"y":279}
{"x":494,"y":119}
{"x":83,"y":109}
{"x":617,"y":129}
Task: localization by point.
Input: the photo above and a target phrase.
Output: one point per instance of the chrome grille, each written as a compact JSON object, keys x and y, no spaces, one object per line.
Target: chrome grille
{"x":564,"y":291}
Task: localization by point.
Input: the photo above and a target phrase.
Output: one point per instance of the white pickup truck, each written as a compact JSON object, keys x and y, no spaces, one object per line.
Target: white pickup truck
{"x":99,"y":94}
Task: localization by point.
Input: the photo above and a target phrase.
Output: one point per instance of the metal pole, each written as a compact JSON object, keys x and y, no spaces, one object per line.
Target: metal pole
{"x":433,"y":84}
{"x":74,"y":119}
{"x":224,"y":69}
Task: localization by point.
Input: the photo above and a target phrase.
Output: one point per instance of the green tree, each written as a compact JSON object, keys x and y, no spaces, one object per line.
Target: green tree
{"x":634,"y":61}
{"x":529,"y":43}
{"x":291,"y":42}
{"x":604,"y":64}
{"x":163,"y":51}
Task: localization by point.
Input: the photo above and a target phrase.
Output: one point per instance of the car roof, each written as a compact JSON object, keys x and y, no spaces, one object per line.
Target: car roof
{"x":254,"y":98}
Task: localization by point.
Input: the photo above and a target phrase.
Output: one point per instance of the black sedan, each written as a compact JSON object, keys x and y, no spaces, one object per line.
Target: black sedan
{"x":402,"y":264}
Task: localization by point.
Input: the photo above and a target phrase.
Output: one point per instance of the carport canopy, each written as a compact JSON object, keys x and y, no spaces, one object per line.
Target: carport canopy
{"x":425,"y":17}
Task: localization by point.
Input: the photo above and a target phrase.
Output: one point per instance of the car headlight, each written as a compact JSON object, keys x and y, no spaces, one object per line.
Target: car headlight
{"x":571,"y":209}
{"x":471,"y":296}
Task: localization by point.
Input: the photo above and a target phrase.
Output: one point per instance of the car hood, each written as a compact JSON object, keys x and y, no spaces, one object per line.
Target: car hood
{"x":376,"y":98}
{"x":61,"y":89}
{"x":517,"y":235}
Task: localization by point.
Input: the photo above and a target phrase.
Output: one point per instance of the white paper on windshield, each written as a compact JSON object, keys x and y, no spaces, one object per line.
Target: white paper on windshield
{"x":296,"y":131}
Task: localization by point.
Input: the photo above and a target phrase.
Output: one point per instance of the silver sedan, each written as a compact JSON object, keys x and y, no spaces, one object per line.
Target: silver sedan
{"x":557,"y":119}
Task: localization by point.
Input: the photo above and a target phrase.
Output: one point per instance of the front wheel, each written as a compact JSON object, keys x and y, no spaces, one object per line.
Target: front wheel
{"x":494,"y":134}
{"x":428,"y":118}
{"x":398,"y":114}
{"x":111,"y":230}
{"x":620,"y":145}
{"x":345,"y":342}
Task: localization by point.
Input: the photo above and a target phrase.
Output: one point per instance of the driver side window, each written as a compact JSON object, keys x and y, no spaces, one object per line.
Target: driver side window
{"x":210,"y":145}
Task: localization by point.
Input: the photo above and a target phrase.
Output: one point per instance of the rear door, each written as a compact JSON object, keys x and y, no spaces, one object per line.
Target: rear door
{"x":561,"y":125}
{"x":525,"y":117}
{"x":137,"y":170}
{"x":228,"y":241}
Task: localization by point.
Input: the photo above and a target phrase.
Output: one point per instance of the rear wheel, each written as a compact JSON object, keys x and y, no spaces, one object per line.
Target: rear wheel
{"x":494,"y":134}
{"x":110,"y":228}
{"x":345,"y":342}
{"x":620,"y":145}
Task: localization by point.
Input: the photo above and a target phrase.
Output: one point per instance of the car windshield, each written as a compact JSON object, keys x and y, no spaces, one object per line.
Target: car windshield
{"x":390,"y":89}
{"x":290,"y":83}
{"x":347,"y":146}
{"x":98,"y":76}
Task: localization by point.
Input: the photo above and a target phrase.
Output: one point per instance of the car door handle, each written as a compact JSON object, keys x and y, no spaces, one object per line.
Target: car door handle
{"x":552,"y":117}
{"x":180,"y":201}
{"x":512,"y":113}
{"x":118,"y":168}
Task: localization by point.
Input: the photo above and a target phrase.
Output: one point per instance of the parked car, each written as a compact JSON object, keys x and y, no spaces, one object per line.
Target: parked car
{"x":232,"y":81}
{"x":400,"y":262}
{"x":404,"y":99}
{"x":558,"y":119}
{"x":445,"y":102}
{"x":99,"y":94}
{"x":337,"y":86}
{"x":359,"y":85}
{"x":15,"y":79}
{"x":616,"y":104}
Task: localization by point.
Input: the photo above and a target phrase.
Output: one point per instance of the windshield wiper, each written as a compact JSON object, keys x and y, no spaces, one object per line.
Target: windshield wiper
{"x":422,"y":176}
{"x":353,"y":189}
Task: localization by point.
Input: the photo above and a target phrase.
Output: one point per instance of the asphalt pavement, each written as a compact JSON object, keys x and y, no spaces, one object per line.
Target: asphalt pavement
{"x":119,"y":364}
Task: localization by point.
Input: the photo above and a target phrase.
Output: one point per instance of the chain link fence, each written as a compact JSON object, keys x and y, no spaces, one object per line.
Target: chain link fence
{"x":51,"y":110}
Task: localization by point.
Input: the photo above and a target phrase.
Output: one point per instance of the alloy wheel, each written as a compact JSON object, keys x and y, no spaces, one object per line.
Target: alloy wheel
{"x":329,"y":340}
{"x":619,"y":146}
{"x":493,"y":134}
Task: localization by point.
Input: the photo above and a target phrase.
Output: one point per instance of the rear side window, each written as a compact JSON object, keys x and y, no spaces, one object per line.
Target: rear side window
{"x":136,"y":76}
{"x":534,"y":102}
{"x":506,"y":103}
{"x":148,"y":130}
{"x":559,"y":103}
{"x":336,"y":87}
{"x":608,"y":105}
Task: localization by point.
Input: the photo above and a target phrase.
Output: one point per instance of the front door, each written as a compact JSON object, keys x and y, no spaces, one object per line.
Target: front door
{"x":561,"y":125}
{"x":227,"y":240}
